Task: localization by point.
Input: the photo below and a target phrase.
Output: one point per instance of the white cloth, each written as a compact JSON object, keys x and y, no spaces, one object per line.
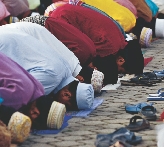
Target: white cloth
{"x":160,"y":4}
{"x":45,"y":36}
{"x":160,"y":133}
{"x":35,"y":56}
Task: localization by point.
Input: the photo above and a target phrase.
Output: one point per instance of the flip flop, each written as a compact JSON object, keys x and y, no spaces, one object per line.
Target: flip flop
{"x":134,"y":109}
{"x":135,"y":125}
{"x":156,"y":97}
{"x":159,"y":74}
{"x":158,"y":94}
{"x":148,"y":112}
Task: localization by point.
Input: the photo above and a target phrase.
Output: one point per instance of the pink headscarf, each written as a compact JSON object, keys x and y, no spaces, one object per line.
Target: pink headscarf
{"x":3,"y":11}
{"x":128,"y":5}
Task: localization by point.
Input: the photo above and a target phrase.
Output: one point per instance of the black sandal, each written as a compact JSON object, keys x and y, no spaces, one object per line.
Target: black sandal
{"x":153,"y":77}
{"x":139,"y":80}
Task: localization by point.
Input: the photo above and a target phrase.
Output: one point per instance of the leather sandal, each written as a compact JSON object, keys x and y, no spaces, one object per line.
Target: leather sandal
{"x":135,"y":125}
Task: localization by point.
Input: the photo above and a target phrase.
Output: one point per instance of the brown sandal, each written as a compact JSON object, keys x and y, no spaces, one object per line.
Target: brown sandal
{"x":138,"y":125}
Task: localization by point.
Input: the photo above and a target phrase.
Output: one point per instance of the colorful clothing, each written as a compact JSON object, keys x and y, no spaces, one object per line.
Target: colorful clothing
{"x":128,"y":5}
{"x":143,"y":10}
{"x":76,"y":41}
{"x":38,"y":58}
{"x":16,"y":7}
{"x":106,"y":36}
{"x":17,"y":86}
{"x":153,"y":7}
{"x":103,"y":13}
{"x":119,"y":13}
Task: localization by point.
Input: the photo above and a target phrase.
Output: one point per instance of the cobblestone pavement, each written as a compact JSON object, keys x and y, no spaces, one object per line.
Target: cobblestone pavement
{"x":111,"y":115}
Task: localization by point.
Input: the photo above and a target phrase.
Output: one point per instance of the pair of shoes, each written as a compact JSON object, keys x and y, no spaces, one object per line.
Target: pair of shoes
{"x":139,"y":80}
{"x":145,"y":110}
{"x":135,"y":125}
{"x":122,"y":134}
{"x":135,"y":109}
{"x":159,"y":96}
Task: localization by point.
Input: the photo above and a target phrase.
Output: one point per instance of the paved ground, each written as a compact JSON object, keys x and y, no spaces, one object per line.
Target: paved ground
{"x":111,"y":115}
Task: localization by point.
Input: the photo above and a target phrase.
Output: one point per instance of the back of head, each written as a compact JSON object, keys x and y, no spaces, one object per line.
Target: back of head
{"x":134,"y":61}
{"x":107,"y":65}
{"x":43,"y":104}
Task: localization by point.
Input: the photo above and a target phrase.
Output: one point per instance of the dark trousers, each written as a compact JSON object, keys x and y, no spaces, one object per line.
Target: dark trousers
{"x":160,"y":16}
{"x":140,"y":23}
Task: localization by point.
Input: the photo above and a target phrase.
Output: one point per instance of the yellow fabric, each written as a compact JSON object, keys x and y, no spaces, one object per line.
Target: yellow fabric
{"x":119,"y":13}
{"x":33,"y":4}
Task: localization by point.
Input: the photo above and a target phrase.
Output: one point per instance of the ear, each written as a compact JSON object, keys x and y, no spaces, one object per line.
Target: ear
{"x":67,"y":93}
{"x":120,"y":61}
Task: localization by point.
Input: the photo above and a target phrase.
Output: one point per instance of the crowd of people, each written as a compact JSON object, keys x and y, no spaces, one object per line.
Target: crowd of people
{"x":55,"y":55}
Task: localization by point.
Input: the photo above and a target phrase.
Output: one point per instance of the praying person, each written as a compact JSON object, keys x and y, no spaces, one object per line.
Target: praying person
{"x":47,"y":66}
{"x":38,"y":32}
{"x":109,"y":41}
{"x":18,"y":88}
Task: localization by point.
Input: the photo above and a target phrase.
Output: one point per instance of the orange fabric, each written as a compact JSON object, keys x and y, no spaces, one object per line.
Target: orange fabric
{"x":143,"y":10}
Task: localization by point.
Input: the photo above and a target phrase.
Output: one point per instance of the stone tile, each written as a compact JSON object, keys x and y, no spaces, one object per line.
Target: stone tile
{"x":65,"y":143}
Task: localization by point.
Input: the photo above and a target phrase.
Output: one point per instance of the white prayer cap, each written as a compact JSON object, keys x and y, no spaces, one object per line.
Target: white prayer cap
{"x":84,"y":96}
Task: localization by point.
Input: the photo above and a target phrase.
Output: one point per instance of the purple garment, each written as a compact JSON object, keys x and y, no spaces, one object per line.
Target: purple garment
{"x":17,"y":86}
{"x":16,"y":7}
